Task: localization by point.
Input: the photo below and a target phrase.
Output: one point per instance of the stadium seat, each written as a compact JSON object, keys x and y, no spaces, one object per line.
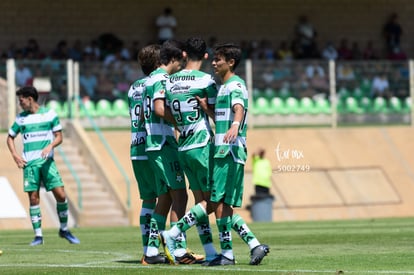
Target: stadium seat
{"x":343,"y":93}
{"x":269,"y":93}
{"x":306,"y":106}
{"x":366,"y":104}
{"x":284,"y":93}
{"x":87,"y":109}
{"x":292,"y":105}
{"x":260,"y":106}
{"x":407,"y":105}
{"x":103,"y":108}
{"x":56,"y":106}
{"x":322,"y":106}
{"x":379,"y":105}
{"x":120,"y":108}
{"x":395,"y":105}
{"x":352,"y":106}
{"x":277,"y":106}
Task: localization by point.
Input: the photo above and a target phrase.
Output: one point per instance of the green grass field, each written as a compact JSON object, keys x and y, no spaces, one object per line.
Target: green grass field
{"x":378,"y":246}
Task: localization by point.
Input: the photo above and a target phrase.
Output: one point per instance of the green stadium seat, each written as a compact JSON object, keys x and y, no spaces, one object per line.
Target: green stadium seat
{"x":56,"y":106}
{"x":366,"y":104}
{"x":120,"y":108}
{"x":395,"y":105}
{"x":270,"y":93}
{"x":306,"y":106}
{"x":103,"y":108}
{"x":277,"y":106}
{"x":407,"y":105}
{"x":87,"y":109}
{"x":292,"y":105}
{"x":379,"y":105}
{"x":322,"y":106}
{"x":343,"y":93}
{"x":260,"y":106}
{"x":284,"y":93}
{"x":352,"y":106}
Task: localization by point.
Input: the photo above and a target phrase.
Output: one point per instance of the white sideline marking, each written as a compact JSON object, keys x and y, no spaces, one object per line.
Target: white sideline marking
{"x":10,"y":206}
{"x":121,"y":256}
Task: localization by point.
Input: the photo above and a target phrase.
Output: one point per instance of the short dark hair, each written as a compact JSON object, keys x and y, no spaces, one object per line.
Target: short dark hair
{"x":229,"y":51}
{"x":195,"y":48}
{"x":171,"y":49}
{"x":149,"y":58}
{"x":28,"y":91}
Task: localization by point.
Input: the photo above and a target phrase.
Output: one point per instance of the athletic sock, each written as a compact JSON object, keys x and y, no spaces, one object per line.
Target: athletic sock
{"x":180,"y":243}
{"x":205,"y":235}
{"x":240,"y":226}
{"x":195,"y":214}
{"x":153,"y":240}
{"x":62,"y":211}
{"x":226,"y":243}
{"x":144,"y":224}
{"x":36,"y":218}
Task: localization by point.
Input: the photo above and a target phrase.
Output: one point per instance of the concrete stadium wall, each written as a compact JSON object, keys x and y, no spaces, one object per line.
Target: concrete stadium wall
{"x":353,"y":172}
{"x":50,"y":21}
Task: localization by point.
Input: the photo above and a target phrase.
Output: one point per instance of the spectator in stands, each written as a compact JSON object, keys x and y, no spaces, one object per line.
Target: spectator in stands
{"x":105,"y":87}
{"x":92,"y":52}
{"x":88,"y":83}
{"x":369,"y":52}
{"x":284,"y":52}
{"x":32,"y":49}
{"x":380,"y":86}
{"x":344,"y":52}
{"x":356,"y":52}
{"x":329,"y":52}
{"x":305,"y":38}
{"x":23,"y":74}
{"x":392,"y":32}
{"x":399,"y":85}
{"x":166,"y":24}
{"x":345,"y":72}
{"x":61,"y":51}
{"x":397,"y":54}
{"x":76,"y":52}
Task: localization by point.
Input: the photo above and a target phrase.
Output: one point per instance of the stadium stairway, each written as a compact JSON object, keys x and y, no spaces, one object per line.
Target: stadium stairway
{"x":93,"y":197}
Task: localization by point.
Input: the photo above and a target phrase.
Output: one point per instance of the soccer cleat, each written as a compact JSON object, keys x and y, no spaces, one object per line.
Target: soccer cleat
{"x":187,"y":258}
{"x":168,"y":244}
{"x":258,"y":253}
{"x":157,"y":259}
{"x":68,"y":236}
{"x":219,"y":260}
{"x":198,"y":257}
{"x":38,"y":240}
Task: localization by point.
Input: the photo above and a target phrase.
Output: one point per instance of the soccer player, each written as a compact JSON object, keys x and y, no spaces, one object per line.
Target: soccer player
{"x":230,"y":154}
{"x":161,"y":149}
{"x":194,"y":141}
{"x":42,"y":132}
{"x":149,"y":59}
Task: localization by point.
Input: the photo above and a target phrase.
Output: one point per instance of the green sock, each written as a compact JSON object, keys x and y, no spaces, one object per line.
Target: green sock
{"x":192,"y":217}
{"x":36,"y":218}
{"x":153,"y":240}
{"x":226,"y":243}
{"x":240,"y":226}
{"x":62,"y":210}
{"x":180,"y":242}
{"x":205,"y":235}
{"x":144,"y":224}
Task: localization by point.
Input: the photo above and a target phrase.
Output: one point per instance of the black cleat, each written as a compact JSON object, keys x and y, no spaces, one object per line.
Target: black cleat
{"x":258,"y":253}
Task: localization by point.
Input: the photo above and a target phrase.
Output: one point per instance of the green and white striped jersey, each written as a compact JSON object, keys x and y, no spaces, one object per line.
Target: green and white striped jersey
{"x":37,"y":132}
{"x":138,"y":132}
{"x":159,"y":131}
{"x":193,"y":123}
{"x":232,"y":92}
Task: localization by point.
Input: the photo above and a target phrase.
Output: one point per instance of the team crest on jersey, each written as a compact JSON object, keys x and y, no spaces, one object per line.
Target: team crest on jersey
{"x":239,"y":85}
{"x":162,"y":92}
{"x":179,"y":177}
